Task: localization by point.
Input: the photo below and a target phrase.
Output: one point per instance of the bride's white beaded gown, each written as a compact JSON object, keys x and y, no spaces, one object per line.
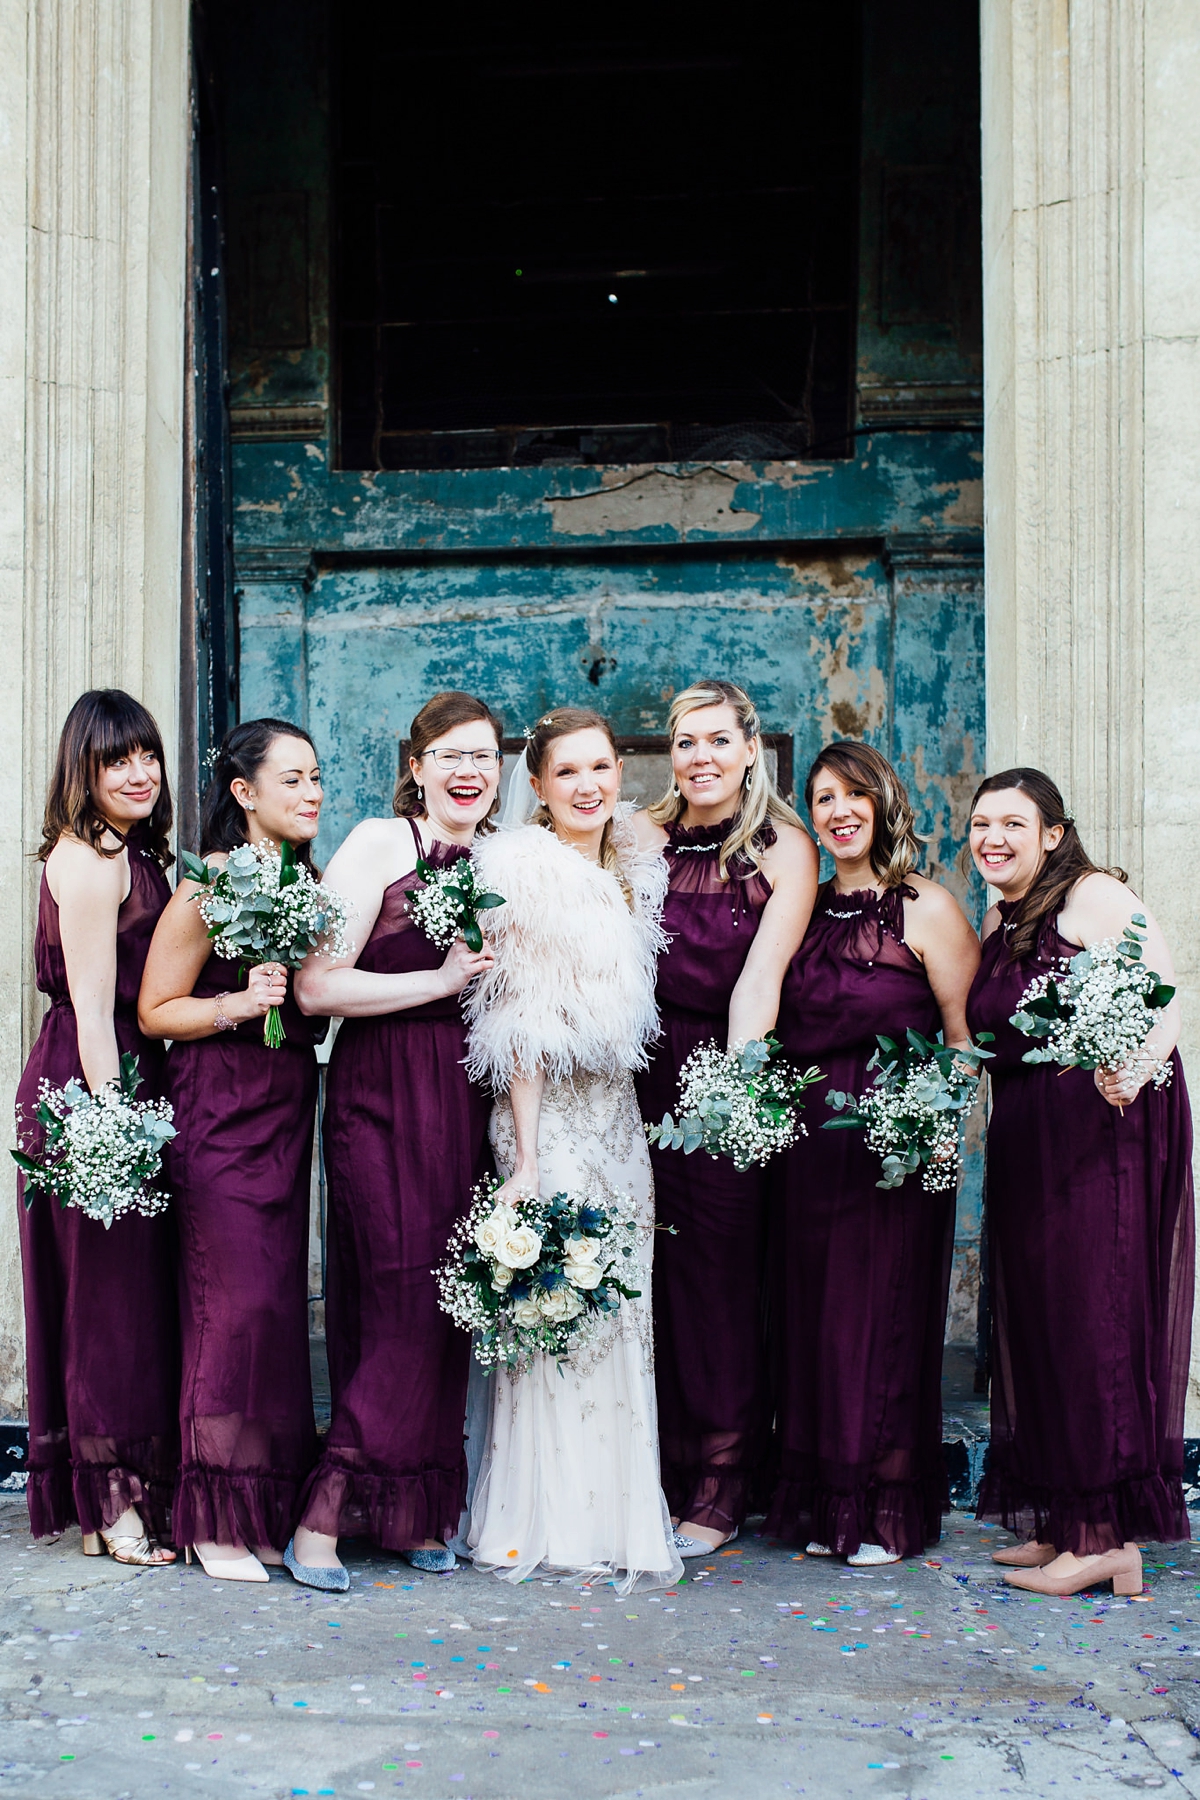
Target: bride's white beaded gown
{"x":568,"y":1477}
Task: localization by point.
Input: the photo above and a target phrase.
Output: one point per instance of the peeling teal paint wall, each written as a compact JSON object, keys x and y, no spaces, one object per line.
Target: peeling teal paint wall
{"x":847,"y":596}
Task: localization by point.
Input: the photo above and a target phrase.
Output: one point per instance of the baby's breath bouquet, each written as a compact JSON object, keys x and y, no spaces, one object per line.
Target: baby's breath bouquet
{"x":264,"y":906}
{"x":530,"y":1275}
{"x":1098,"y":1009}
{"x":742,"y":1103}
{"x":102,"y":1150}
{"x":449,"y":904}
{"x":913,"y":1112}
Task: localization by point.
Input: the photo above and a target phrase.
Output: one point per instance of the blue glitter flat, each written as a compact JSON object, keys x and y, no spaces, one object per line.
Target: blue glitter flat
{"x":432,"y":1562}
{"x":333,"y":1581}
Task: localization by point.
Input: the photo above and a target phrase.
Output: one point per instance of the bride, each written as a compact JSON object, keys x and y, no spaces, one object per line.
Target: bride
{"x":568,"y":1475}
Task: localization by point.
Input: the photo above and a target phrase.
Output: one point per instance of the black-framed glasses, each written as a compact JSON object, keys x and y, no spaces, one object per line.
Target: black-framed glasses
{"x":450,"y":759}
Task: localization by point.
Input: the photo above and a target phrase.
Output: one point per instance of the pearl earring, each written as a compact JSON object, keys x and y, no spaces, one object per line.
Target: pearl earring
{"x":249,"y":806}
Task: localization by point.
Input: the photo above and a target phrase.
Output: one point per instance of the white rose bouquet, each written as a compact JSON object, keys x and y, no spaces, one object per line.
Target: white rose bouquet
{"x":914,"y":1111}
{"x":1099,"y":1009}
{"x":743,"y":1103}
{"x":449,"y":904}
{"x":102,"y":1150}
{"x":531,"y":1275}
{"x":264,"y":906}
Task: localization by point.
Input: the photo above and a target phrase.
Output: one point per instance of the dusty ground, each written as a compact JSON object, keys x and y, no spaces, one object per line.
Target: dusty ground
{"x":762,"y":1675}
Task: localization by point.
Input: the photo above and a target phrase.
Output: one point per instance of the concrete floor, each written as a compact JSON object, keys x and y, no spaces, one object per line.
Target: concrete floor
{"x":764,"y":1674}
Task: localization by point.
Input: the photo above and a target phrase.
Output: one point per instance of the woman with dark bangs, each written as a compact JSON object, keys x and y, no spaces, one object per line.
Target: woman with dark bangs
{"x":862,"y":1273}
{"x":101,"y":1331}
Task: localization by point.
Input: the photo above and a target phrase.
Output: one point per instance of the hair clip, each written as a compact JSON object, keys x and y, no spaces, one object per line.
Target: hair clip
{"x":528,"y":734}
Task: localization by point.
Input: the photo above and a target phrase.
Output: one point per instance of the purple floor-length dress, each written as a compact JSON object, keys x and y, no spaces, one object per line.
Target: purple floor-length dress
{"x":241,"y":1170}
{"x":708,"y":1281}
{"x":405,"y":1138}
{"x":1090,"y":1241}
{"x":101,"y":1328}
{"x":860,"y":1274}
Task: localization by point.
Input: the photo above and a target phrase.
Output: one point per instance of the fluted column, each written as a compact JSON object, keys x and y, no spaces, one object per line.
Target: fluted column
{"x":93,"y":213}
{"x":1091,"y":180}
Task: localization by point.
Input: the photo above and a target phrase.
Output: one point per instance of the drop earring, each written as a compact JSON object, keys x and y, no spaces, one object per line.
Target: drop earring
{"x":749,"y":776}
{"x":675,"y":790}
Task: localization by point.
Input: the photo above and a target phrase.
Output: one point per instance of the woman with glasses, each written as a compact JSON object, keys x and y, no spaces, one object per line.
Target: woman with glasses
{"x":405,"y":1138}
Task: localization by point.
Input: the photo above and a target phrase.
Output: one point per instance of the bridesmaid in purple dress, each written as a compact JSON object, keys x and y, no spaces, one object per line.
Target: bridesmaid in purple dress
{"x":861,"y":1273}
{"x":101,"y":1334}
{"x":1090,"y":1230}
{"x":405,"y":1138}
{"x":743,"y":876}
{"x":240,"y":1170}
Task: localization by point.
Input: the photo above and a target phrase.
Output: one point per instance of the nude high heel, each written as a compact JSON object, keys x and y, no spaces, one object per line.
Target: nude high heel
{"x":228,"y":1568}
{"x":1122,"y":1567}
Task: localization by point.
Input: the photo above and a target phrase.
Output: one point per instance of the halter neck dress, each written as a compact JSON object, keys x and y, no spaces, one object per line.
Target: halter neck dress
{"x":860,"y":1274}
{"x":405,"y":1138}
{"x":1091,"y":1250}
{"x":241,"y":1168}
{"x":101,"y":1330}
{"x":708,"y":1281}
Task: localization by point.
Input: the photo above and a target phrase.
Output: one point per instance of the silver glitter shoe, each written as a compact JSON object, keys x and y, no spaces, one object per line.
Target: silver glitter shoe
{"x":333,"y":1581}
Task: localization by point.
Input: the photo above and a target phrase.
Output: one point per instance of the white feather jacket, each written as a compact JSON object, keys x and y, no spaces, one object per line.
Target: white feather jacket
{"x":572,"y":987}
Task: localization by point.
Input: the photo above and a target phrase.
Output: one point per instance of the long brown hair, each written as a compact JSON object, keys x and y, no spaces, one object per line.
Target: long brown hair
{"x":104,"y":725}
{"x":438,"y":715}
{"x":896,"y":845}
{"x":760,"y":802}
{"x":561,"y":723}
{"x":1061,"y":867}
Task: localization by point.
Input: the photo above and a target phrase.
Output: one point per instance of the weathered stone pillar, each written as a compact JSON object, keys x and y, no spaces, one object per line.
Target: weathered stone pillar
{"x":1091,"y":182}
{"x":93,"y":212}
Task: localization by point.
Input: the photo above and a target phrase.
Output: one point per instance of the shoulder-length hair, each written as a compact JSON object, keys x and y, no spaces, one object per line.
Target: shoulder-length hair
{"x":439,"y":715}
{"x":761,"y":803}
{"x":1061,"y":867}
{"x":896,"y":845}
{"x":104,"y":725}
{"x":563,"y":722}
{"x":242,"y":754}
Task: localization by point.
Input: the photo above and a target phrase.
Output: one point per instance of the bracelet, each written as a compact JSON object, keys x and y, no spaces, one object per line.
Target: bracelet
{"x":222,"y":1020}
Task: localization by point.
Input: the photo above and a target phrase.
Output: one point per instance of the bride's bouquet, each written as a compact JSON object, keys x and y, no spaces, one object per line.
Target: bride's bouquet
{"x":102,"y":1150}
{"x":743,"y":1103}
{"x":914,"y":1111}
{"x":449,"y":904}
{"x":1099,"y":1009}
{"x":532,"y":1275}
{"x":264,"y":906}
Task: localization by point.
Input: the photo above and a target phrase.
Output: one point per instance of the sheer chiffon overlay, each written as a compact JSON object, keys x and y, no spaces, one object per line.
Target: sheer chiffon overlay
{"x":405,"y":1139}
{"x":709,"y":1279}
{"x":567,"y":1475}
{"x":241,"y":1172}
{"x":860,"y":1274}
{"x":101,"y":1330}
{"x":1091,"y":1249}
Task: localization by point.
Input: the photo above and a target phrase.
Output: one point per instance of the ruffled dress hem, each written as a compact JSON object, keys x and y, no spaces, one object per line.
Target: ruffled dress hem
{"x":398,"y":1512}
{"x":1138,"y":1509}
{"x":904,"y":1516}
{"x":258,"y":1507}
{"x":93,"y":1496}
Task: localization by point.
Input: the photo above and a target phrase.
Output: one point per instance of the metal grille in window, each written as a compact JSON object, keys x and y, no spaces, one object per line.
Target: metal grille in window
{"x":594,"y":243}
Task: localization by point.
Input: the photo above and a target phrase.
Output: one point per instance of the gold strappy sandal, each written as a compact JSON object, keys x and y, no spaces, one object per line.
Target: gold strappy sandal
{"x":123,"y":1547}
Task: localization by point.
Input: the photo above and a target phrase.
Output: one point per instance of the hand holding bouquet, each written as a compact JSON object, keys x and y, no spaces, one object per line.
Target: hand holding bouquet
{"x":530,"y":1275}
{"x":449,"y":904}
{"x":741,"y":1103}
{"x":102,"y":1149}
{"x":264,"y":906}
{"x":1098,"y":1011}
{"x":913,"y":1112}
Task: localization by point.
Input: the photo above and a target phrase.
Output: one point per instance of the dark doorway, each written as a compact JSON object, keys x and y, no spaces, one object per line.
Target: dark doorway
{"x":608,"y":238}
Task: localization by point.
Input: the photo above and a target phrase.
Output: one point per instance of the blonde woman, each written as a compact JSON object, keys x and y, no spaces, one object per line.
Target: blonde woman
{"x":742,"y":876}
{"x":860,"y":1273}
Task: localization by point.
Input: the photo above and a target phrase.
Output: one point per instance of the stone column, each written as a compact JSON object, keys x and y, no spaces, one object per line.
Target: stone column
{"x":1091,"y":182}
{"x":93,"y":197}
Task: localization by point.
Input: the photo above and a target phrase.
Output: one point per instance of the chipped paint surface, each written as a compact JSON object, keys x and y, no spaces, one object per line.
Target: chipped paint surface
{"x":685,"y":501}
